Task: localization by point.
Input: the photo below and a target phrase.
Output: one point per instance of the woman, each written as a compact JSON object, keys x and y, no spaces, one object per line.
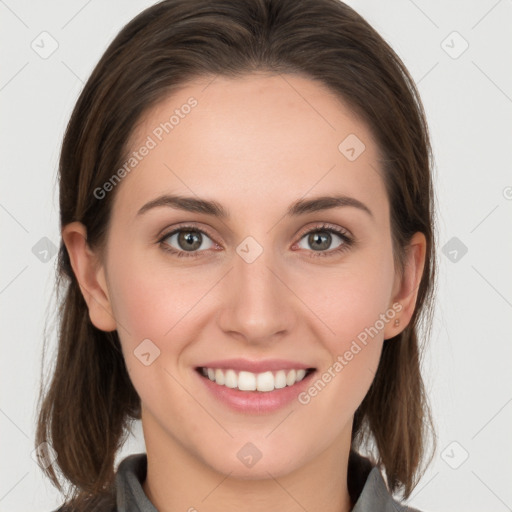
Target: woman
{"x":247,"y":252}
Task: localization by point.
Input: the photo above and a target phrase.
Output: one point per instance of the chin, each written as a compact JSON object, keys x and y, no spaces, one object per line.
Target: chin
{"x":250,"y":463}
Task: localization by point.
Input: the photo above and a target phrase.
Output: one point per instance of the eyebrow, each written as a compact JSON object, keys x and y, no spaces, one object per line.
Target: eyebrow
{"x":208,"y":207}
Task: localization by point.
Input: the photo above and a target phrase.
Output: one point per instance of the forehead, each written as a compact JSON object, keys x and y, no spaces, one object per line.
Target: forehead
{"x":252,"y":141}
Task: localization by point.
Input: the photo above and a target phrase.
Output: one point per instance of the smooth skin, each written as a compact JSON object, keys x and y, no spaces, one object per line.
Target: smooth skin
{"x":255,"y":145}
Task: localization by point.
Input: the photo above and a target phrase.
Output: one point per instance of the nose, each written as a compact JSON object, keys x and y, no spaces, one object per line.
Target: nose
{"x":258,"y":307}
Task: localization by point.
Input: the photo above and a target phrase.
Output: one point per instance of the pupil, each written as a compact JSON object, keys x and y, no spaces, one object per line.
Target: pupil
{"x":316,"y":240}
{"x":189,"y":240}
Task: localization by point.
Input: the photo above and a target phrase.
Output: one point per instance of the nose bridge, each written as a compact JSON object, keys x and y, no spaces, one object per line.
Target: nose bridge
{"x":257,"y":307}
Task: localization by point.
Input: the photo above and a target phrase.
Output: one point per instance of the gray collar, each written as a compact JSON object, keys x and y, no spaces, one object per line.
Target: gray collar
{"x":365,"y":482}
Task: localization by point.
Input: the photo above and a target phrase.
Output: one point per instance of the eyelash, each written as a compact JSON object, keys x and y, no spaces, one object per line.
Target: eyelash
{"x":347,"y":241}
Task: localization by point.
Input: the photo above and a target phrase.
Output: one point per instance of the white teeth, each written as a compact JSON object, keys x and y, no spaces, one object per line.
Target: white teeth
{"x":290,"y":378}
{"x":230,"y":379}
{"x":248,"y":381}
{"x":219,"y":377}
{"x":265,"y":381}
{"x":280,"y":379}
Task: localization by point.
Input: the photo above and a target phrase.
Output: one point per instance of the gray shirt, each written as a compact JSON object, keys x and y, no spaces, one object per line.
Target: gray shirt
{"x":366,"y":487}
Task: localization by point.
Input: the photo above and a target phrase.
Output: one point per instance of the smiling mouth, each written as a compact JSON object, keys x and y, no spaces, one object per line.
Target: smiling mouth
{"x":249,"y":381}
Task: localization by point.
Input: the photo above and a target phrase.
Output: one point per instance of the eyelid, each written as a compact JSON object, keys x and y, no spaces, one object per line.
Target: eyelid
{"x":327,"y":226}
{"x":163,"y":234}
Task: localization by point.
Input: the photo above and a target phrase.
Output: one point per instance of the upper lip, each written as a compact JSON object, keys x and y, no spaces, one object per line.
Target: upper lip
{"x":255,"y":366}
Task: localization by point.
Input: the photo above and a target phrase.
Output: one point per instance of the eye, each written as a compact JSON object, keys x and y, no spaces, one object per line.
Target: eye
{"x":320,"y":240}
{"x":188,"y":239}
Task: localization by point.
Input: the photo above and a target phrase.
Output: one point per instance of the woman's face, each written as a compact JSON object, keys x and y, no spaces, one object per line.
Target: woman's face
{"x":267,"y":287}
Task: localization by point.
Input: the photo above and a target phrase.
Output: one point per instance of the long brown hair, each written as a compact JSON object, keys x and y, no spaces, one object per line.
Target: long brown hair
{"x":87,"y":407}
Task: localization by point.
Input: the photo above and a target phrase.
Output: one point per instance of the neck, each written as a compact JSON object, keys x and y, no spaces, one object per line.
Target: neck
{"x":177,"y":480}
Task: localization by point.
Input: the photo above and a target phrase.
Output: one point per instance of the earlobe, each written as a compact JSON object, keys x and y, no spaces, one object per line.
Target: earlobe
{"x":90,"y":275}
{"x":407,"y":285}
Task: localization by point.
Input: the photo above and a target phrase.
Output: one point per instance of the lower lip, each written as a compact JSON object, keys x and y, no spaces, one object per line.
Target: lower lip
{"x":256,"y":402}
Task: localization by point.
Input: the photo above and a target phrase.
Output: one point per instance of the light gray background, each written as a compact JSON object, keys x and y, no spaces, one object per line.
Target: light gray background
{"x":468,"y":99}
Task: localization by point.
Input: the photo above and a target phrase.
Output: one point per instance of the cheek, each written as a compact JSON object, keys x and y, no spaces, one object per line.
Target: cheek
{"x":354,"y":312}
{"x":149,"y":301}
{"x":352,"y":302}
{"x":157,"y":304}
{"x":160,"y":304}
{"x":349,"y":298}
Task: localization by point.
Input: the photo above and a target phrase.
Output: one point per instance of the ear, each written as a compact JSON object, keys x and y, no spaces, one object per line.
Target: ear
{"x":405,"y":289}
{"x":90,"y":275}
